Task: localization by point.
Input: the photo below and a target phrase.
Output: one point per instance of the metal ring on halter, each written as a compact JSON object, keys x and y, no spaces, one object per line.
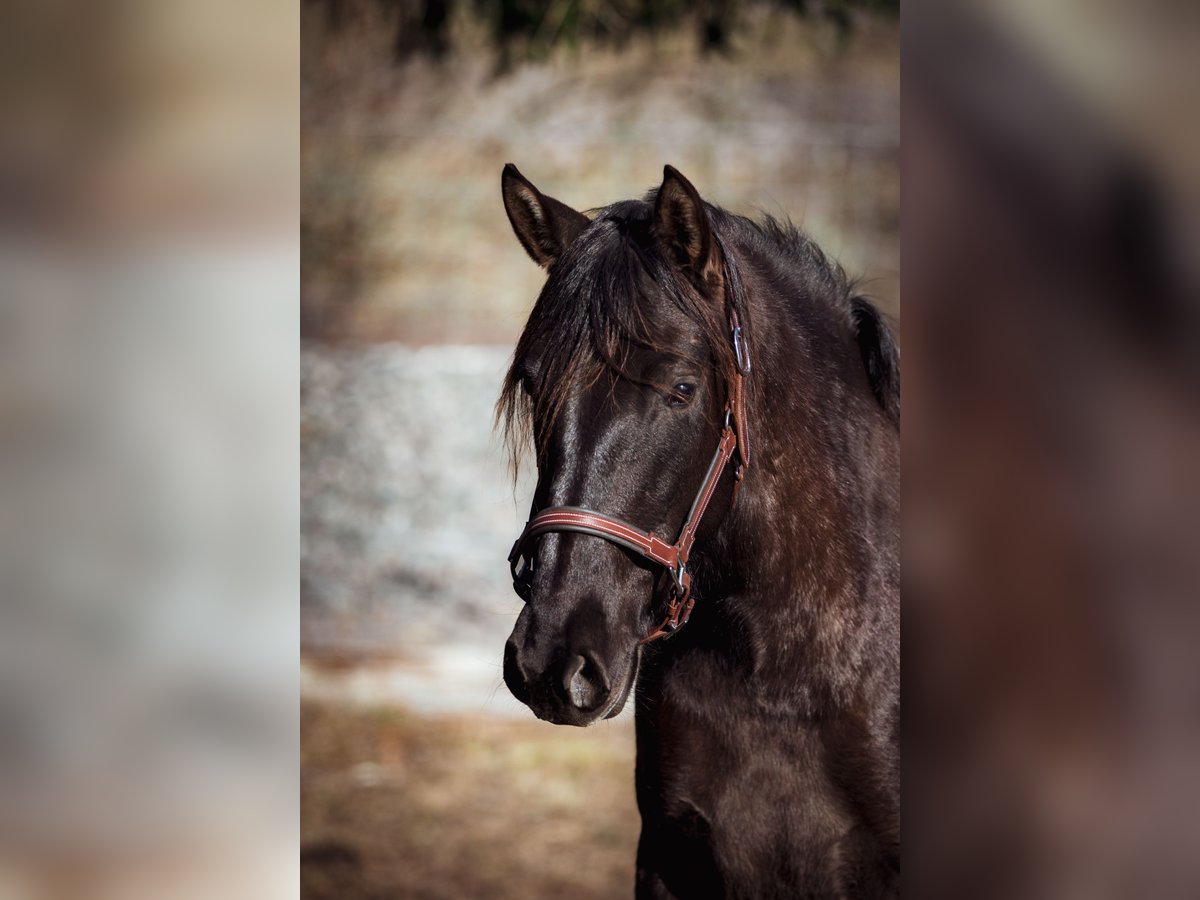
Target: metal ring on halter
{"x":522,"y":576}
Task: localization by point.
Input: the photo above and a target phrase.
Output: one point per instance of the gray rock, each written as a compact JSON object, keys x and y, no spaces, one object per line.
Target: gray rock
{"x":408,"y":508}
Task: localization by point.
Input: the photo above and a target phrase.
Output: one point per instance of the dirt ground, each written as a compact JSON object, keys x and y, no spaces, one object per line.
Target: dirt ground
{"x":399,"y":805}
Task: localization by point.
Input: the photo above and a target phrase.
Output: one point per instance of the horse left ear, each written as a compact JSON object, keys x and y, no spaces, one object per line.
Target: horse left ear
{"x":681,"y":225}
{"x":880,"y":356}
{"x":544,"y":226}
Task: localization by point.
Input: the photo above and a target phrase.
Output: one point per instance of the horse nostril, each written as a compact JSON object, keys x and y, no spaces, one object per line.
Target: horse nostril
{"x":584,"y":682}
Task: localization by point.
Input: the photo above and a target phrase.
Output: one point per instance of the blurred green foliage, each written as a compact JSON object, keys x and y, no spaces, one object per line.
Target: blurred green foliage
{"x":530,"y":29}
{"x":544,"y":23}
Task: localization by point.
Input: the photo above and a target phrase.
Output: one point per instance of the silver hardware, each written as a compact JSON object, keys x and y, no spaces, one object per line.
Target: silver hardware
{"x":741,"y":351}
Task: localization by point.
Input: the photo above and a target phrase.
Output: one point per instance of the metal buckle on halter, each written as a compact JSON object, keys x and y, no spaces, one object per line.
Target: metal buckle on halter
{"x":740,"y":351}
{"x":678,"y":573}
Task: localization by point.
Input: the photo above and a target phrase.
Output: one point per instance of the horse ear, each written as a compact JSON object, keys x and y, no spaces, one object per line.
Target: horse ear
{"x":681,"y":225}
{"x":880,"y":356}
{"x":544,"y":226}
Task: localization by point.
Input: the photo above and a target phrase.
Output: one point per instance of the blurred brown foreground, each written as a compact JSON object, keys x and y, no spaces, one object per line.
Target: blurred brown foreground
{"x":396,"y":804}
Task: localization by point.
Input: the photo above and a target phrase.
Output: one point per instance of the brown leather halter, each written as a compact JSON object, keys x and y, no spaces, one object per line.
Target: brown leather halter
{"x":673,"y":557}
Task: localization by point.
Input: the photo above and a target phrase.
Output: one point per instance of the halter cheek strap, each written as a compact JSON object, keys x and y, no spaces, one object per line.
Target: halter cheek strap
{"x":673,"y":557}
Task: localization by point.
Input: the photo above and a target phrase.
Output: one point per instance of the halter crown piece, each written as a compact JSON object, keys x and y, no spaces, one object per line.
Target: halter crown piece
{"x":673,"y":557}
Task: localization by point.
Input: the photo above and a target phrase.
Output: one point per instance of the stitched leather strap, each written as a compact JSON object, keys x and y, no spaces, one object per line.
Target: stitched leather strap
{"x":719,"y":461}
{"x":574,"y":518}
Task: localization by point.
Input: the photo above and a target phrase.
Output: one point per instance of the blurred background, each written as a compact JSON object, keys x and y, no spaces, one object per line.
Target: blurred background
{"x":1050,"y":451}
{"x":421,"y":776}
{"x":149,"y":334}
{"x":150,"y":188}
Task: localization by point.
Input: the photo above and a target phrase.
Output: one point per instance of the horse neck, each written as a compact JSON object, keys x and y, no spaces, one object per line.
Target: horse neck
{"x":809,"y":549}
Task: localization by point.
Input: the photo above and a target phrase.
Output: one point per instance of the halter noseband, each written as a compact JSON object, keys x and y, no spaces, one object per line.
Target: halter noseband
{"x":673,"y":557}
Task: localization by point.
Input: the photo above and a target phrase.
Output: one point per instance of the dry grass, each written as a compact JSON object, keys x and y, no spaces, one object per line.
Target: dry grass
{"x":399,"y":805}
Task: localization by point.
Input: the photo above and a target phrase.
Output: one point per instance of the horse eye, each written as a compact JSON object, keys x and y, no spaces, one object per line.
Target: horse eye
{"x":527,"y":385}
{"x":681,"y":395}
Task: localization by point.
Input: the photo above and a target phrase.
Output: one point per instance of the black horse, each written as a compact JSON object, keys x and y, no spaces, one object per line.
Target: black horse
{"x":768,"y":725}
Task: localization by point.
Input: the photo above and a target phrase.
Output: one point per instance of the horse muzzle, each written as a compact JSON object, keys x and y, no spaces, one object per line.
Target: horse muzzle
{"x":574,"y":686}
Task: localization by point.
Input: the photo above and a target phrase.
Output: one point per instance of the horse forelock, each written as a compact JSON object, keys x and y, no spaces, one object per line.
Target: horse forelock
{"x":593,"y":310}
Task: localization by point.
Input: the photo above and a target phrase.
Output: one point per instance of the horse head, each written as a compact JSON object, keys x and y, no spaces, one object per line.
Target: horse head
{"x":621,"y":377}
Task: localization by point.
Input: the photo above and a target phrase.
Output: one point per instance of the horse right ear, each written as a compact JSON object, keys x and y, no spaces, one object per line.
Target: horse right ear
{"x":681,"y":225}
{"x":544,"y":226}
{"x":880,"y":356}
